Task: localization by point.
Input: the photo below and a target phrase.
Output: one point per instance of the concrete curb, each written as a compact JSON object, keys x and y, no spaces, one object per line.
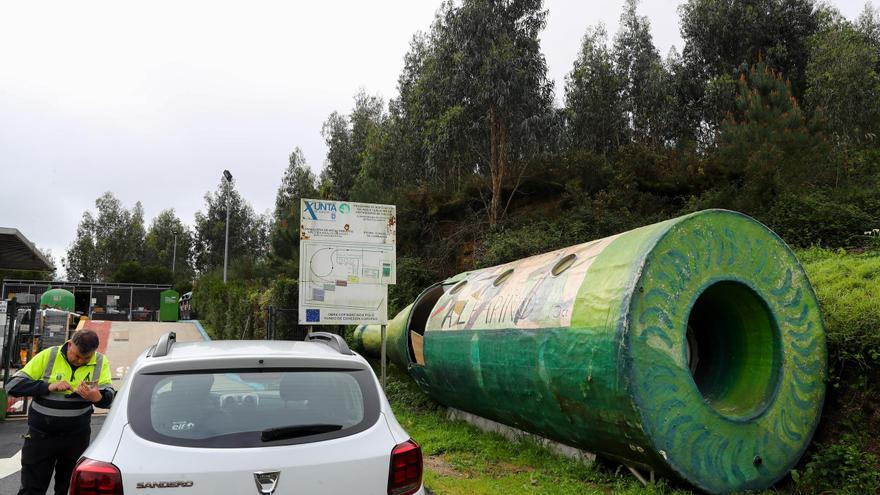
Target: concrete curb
{"x":515,"y":434}
{"x":199,"y":326}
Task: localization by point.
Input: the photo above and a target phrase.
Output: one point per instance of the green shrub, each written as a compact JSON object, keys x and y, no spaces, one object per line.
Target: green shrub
{"x":594,"y":219}
{"x":820,"y":218}
{"x":842,"y":467}
{"x":508,"y":245}
{"x":402,"y":392}
{"x":413,"y":276}
{"x":231,"y":310}
{"x":283,"y":295}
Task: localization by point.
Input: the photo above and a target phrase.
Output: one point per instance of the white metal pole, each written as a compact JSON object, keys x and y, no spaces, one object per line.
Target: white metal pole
{"x":383,"y":357}
{"x":226,"y":249}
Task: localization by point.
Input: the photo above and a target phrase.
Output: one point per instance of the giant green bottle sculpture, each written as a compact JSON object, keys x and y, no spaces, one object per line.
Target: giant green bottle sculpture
{"x":693,"y":347}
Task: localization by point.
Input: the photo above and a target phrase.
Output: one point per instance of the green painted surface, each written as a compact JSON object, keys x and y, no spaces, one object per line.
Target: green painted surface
{"x":169,"y":305}
{"x":768,"y":404}
{"x":368,"y":339}
{"x":597,"y":356}
{"x":729,"y":315}
{"x":57,"y":299}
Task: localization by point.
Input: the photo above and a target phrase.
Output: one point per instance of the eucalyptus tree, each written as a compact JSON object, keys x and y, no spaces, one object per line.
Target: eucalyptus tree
{"x":107,"y":240}
{"x":642,"y":74}
{"x":844,"y":87}
{"x":346,"y":138}
{"x":725,"y":37}
{"x":169,"y":244}
{"x":684,"y":95}
{"x":497,"y":101}
{"x":868,"y":24}
{"x":341,"y":165}
{"x":82,"y":261}
{"x":594,"y":103}
{"x":409,"y":143}
{"x":248,"y":231}
{"x":297,"y":183}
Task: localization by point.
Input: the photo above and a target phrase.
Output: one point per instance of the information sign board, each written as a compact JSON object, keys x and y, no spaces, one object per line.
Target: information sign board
{"x":347,"y":260}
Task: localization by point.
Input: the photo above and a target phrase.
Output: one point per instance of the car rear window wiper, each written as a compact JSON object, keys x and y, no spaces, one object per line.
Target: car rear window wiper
{"x":294,"y":431}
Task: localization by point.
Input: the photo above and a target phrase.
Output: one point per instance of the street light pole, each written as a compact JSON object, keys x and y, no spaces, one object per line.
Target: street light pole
{"x":174,"y":256}
{"x":226,"y":249}
{"x":228,"y":178}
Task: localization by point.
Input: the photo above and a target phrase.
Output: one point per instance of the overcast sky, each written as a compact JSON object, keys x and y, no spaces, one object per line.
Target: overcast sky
{"x":153,"y":100}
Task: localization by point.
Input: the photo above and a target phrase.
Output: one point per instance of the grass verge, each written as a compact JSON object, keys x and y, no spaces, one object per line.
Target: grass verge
{"x":461,"y":459}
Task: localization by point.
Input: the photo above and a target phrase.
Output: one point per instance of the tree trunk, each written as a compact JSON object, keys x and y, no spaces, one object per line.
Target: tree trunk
{"x":497,"y":163}
{"x":503,"y":167}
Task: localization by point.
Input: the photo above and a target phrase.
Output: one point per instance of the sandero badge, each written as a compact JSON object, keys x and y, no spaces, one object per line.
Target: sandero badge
{"x":266,"y":481}
{"x":165,"y":484}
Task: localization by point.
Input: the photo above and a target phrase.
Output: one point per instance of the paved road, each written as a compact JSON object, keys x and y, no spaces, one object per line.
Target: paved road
{"x":11,"y":431}
{"x":125,"y":340}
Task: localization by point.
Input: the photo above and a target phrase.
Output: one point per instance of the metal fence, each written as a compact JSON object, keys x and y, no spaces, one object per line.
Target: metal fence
{"x":98,"y":300}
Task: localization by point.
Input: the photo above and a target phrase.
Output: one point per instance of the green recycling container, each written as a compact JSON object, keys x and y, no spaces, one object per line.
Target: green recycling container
{"x":169,"y":305}
{"x":58,"y":299}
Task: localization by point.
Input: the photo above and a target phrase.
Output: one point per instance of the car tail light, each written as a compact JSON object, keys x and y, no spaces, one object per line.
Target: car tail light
{"x":405,"y":476}
{"x":92,"y":477}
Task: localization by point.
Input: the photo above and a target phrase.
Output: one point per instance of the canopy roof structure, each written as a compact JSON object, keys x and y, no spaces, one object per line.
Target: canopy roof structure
{"x":18,"y":253}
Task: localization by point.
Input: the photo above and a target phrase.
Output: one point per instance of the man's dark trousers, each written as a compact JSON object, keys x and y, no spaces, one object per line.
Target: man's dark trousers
{"x":43,"y":453}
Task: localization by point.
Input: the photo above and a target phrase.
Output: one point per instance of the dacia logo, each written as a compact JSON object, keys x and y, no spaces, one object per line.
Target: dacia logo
{"x":322,"y":209}
{"x":165,"y":484}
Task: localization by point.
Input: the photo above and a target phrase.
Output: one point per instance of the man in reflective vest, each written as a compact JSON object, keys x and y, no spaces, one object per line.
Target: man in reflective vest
{"x":65,"y":383}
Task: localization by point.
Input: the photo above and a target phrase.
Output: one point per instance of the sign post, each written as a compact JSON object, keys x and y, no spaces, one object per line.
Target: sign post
{"x":383,"y":357}
{"x":347,"y":260}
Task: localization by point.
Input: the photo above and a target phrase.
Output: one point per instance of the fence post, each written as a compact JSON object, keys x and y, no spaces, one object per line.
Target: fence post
{"x":11,"y":310}
{"x":383,"y":357}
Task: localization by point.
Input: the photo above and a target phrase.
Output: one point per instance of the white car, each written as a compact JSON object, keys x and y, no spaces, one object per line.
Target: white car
{"x":256,"y":417}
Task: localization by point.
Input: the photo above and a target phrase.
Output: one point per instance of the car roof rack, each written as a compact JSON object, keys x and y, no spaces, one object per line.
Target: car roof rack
{"x":163,"y":346}
{"x":331,"y":339}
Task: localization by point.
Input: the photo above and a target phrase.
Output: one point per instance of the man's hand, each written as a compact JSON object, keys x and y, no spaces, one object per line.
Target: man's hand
{"x":91,"y":394}
{"x":59,"y":386}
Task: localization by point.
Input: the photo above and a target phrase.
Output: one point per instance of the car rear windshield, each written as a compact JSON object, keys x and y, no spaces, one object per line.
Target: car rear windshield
{"x":252,"y":408}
